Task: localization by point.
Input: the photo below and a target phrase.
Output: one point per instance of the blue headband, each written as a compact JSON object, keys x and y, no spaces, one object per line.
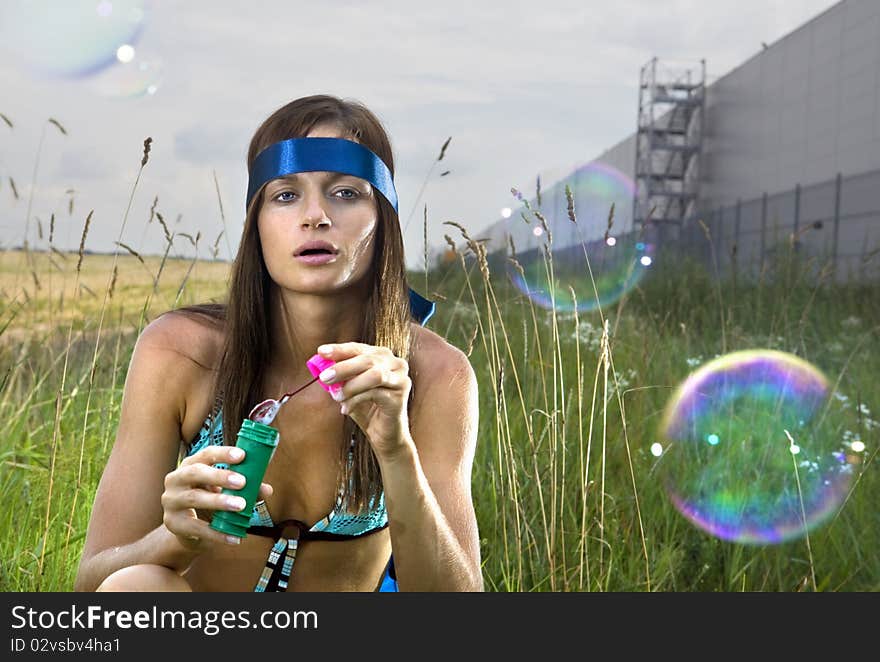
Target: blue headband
{"x":331,"y":155}
{"x":320,"y":154}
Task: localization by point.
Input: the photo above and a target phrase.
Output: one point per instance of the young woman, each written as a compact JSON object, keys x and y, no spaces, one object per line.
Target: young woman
{"x":382,"y":467}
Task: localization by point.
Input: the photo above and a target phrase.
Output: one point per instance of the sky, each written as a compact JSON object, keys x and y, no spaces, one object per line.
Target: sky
{"x":520,"y":88}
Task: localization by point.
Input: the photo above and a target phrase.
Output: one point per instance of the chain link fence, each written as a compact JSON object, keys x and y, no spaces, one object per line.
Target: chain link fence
{"x":833,"y":227}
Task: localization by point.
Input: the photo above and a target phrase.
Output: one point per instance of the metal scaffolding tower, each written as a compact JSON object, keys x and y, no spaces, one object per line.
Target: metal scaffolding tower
{"x":669,"y":142}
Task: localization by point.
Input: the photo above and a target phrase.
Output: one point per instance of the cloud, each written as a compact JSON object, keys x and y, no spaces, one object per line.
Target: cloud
{"x":212,"y":143}
{"x":85,"y":164}
{"x":521,"y":88}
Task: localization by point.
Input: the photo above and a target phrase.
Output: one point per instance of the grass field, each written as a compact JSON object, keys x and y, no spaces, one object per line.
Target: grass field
{"x":567,"y":490}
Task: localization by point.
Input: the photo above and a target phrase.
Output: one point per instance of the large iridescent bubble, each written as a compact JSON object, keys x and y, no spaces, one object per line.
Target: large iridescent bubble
{"x":754,"y":449}
{"x":600,"y":256}
{"x":74,"y":38}
{"x":136,"y":78}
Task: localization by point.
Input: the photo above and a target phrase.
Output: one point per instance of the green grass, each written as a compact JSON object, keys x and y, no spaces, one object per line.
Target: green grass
{"x":64,"y":351}
{"x":567,"y":493}
{"x":545,"y":435}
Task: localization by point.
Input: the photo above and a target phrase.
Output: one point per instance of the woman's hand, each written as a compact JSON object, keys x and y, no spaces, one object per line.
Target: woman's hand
{"x":196,"y":485}
{"x":375,"y":393}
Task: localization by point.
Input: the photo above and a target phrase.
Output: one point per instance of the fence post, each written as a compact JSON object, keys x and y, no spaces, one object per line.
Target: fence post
{"x":763,"y":228}
{"x":735,"y":245}
{"x":797,"y":210}
{"x":837,"y":186}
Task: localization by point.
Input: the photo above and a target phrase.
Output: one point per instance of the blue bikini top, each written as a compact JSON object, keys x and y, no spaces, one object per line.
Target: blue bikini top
{"x":338,"y":521}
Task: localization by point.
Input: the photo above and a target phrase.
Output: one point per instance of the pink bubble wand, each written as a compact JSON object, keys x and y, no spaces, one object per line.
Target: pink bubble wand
{"x":267,"y":410}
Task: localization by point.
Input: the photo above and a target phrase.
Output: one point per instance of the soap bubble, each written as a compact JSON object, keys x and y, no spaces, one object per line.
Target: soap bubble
{"x":136,"y":78}
{"x":74,"y":38}
{"x":602,"y":242}
{"x":753,"y":449}
{"x":617,"y":266}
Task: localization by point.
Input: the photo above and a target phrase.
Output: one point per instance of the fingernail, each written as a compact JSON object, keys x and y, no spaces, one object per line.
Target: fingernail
{"x":336,"y":394}
{"x":235,"y":502}
{"x":327,"y":375}
{"x":343,"y":410}
{"x":236,"y":480}
{"x":236,"y":453}
{"x":233,"y":540}
{"x":325,"y":349}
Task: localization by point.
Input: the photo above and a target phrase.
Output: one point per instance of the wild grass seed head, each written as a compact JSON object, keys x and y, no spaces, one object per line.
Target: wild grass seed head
{"x":82,"y":240}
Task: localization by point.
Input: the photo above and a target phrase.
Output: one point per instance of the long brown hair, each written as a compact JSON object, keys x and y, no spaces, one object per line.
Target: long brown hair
{"x":244,"y":316}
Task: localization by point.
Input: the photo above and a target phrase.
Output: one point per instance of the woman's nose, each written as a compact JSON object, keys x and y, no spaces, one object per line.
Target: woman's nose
{"x":314,"y":211}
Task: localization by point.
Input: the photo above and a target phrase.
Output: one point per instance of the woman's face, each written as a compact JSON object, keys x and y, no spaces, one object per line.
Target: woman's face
{"x":337,"y":210}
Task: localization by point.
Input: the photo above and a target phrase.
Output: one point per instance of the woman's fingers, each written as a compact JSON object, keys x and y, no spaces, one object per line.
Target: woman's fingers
{"x":366,"y":372}
{"x":382,"y":397}
{"x":195,"y":498}
{"x":215,"y":455}
{"x":197,"y":486}
{"x":375,"y":378}
{"x":375,"y":361}
{"x":195,"y":533}
{"x":204,"y":475}
{"x":183,"y":522}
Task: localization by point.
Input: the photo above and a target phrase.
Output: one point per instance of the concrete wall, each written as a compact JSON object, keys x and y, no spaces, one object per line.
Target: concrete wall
{"x":799,"y":112}
{"x":833,"y":225}
{"x":790,"y":118}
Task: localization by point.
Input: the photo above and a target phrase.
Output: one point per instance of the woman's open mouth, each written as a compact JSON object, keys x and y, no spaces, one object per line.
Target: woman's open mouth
{"x":316,"y":256}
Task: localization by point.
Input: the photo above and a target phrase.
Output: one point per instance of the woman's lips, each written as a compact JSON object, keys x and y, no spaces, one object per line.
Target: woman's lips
{"x":316,"y":258}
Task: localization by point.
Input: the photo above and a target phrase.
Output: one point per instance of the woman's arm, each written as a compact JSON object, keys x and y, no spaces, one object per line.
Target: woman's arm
{"x":128,"y":519}
{"x":426,"y":464}
{"x":428,"y":484}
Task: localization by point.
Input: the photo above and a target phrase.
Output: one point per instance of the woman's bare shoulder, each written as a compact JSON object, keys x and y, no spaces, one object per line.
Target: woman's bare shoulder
{"x":194,"y":337}
{"x":427,"y":345}
{"x":434,"y":357}
{"x":445,"y":408}
{"x":174,"y":367}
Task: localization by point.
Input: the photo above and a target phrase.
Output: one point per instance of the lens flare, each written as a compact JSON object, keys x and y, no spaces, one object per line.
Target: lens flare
{"x":754,"y":452}
{"x":135,"y":78}
{"x":125,"y":53}
{"x":75,"y":38}
{"x":601,"y":242}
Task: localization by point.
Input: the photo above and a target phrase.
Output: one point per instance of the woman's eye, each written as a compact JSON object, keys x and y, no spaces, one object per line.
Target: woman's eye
{"x":345,"y":194}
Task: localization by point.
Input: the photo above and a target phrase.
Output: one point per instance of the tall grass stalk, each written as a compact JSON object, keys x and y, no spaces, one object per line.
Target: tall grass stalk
{"x":98,"y":336}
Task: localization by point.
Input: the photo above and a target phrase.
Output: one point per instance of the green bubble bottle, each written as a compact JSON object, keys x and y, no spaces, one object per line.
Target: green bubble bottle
{"x":258,"y":441}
